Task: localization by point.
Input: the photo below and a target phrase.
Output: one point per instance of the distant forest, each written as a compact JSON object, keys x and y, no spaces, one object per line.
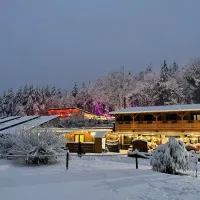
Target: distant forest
{"x":168,"y":85}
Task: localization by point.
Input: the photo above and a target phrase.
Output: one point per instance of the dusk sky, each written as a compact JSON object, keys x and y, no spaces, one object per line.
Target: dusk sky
{"x":58,"y":42}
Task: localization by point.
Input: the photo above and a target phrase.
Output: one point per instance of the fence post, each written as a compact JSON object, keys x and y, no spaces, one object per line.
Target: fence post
{"x":136,"y":160}
{"x":196,"y":164}
{"x":67,"y":159}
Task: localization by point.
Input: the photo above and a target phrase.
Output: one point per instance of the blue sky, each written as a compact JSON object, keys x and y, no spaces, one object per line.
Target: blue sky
{"x":60,"y":42}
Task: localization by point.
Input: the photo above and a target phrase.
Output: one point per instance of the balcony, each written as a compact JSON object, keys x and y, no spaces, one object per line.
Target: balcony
{"x":185,"y":125}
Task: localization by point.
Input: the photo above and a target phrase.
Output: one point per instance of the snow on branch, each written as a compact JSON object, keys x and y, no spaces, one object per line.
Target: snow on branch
{"x":34,"y":146}
{"x":170,"y":157}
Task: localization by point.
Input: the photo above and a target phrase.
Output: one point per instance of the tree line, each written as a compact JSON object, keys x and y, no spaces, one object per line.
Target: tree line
{"x":170,"y":84}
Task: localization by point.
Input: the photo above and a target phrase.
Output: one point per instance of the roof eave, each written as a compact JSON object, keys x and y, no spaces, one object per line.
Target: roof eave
{"x":156,"y":111}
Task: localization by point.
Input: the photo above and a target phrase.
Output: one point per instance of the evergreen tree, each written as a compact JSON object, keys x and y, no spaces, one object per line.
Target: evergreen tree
{"x":30,"y":101}
{"x":192,"y":85}
{"x":75,"y":90}
{"x":25,"y":95}
{"x":161,"y":87}
{"x":164,"y":72}
{"x":18,"y":102}
{"x":47,"y":92}
{"x":1,"y":106}
{"x":59,"y":93}
{"x":53,"y":91}
{"x":169,"y":87}
{"x":175,"y":67}
{"x":7,"y":103}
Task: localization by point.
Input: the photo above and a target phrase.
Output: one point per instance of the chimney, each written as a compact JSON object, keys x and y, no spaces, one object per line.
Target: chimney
{"x":124,"y":102}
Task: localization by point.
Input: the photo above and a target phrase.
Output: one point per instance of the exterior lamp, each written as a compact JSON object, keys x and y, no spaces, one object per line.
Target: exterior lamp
{"x":93,"y":134}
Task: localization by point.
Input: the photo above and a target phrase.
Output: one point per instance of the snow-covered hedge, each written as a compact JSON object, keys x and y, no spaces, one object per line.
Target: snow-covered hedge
{"x":33,"y":146}
{"x":170,"y":157}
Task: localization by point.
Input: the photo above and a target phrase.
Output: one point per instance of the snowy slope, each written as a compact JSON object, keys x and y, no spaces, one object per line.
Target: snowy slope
{"x":94,"y":177}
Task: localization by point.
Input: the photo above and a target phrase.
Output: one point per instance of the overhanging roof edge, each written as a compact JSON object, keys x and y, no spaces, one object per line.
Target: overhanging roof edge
{"x":152,"y":111}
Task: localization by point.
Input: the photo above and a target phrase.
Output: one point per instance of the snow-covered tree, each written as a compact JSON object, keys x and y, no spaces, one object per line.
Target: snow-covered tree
{"x":5,"y":144}
{"x":75,"y":90}
{"x":33,"y":146}
{"x":169,"y":88}
{"x":7,"y":103}
{"x":143,"y":93}
{"x":170,"y":157}
{"x":116,"y":85}
{"x":53,"y":91}
{"x":170,"y":85}
{"x":82,"y":96}
{"x":18,"y":103}
{"x":97,"y":101}
{"x":1,"y":107}
{"x":192,"y":84}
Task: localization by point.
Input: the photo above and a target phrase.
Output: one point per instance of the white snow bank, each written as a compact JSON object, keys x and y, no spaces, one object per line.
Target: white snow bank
{"x":98,"y":178}
{"x":4,"y":167}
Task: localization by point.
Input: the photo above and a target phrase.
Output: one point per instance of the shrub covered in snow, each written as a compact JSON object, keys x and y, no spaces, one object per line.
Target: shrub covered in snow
{"x":170,"y":157}
{"x":33,"y":146}
{"x":5,"y":144}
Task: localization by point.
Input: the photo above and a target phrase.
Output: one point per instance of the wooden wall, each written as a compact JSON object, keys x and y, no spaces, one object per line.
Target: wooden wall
{"x":87,"y":147}
{"x":98,"y":145}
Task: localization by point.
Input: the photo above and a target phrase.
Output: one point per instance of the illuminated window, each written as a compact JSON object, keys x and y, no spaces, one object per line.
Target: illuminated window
{"x":79,"y":138}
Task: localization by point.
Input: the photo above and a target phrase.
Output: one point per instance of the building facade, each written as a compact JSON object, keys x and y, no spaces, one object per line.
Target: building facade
{"x":156,"y":124}
{"x":66,"y":112}
{"x":92,"y":139}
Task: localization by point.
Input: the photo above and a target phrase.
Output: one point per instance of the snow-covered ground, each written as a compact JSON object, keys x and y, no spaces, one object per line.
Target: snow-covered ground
{"x":94,"y":178}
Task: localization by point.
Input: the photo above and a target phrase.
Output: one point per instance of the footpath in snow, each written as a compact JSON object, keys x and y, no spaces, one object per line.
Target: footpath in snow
{"x":94,"y":177}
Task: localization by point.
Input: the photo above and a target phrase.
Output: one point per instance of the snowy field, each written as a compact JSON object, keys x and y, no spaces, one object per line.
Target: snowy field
{"x":94,"y":178}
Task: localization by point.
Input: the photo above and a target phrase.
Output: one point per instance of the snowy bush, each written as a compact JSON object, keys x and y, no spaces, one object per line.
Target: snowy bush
{"x":5,"y":144}
{"x":170,"y":157}
{"x":33,"y":146}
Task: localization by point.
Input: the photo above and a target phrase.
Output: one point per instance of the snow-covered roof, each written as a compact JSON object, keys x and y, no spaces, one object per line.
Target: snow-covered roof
{"x":100,"y":134}
{"x":151,"y":109}
{"x":24,"y":123}
{"x":15,"y":122}
{"x":5,"y":119}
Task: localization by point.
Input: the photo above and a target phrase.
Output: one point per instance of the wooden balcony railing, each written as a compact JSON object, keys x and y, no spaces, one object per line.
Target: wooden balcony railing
{"x":184,"y":125}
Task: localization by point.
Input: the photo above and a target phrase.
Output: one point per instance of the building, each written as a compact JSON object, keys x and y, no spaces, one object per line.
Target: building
{"x":156,"y":124}
{"x":66,"y":112}
{"x":11,"y":125}
{"x":92,"y":139}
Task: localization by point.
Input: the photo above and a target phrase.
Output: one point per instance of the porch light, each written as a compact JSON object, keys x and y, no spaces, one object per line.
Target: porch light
{"x":93,"y":134}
